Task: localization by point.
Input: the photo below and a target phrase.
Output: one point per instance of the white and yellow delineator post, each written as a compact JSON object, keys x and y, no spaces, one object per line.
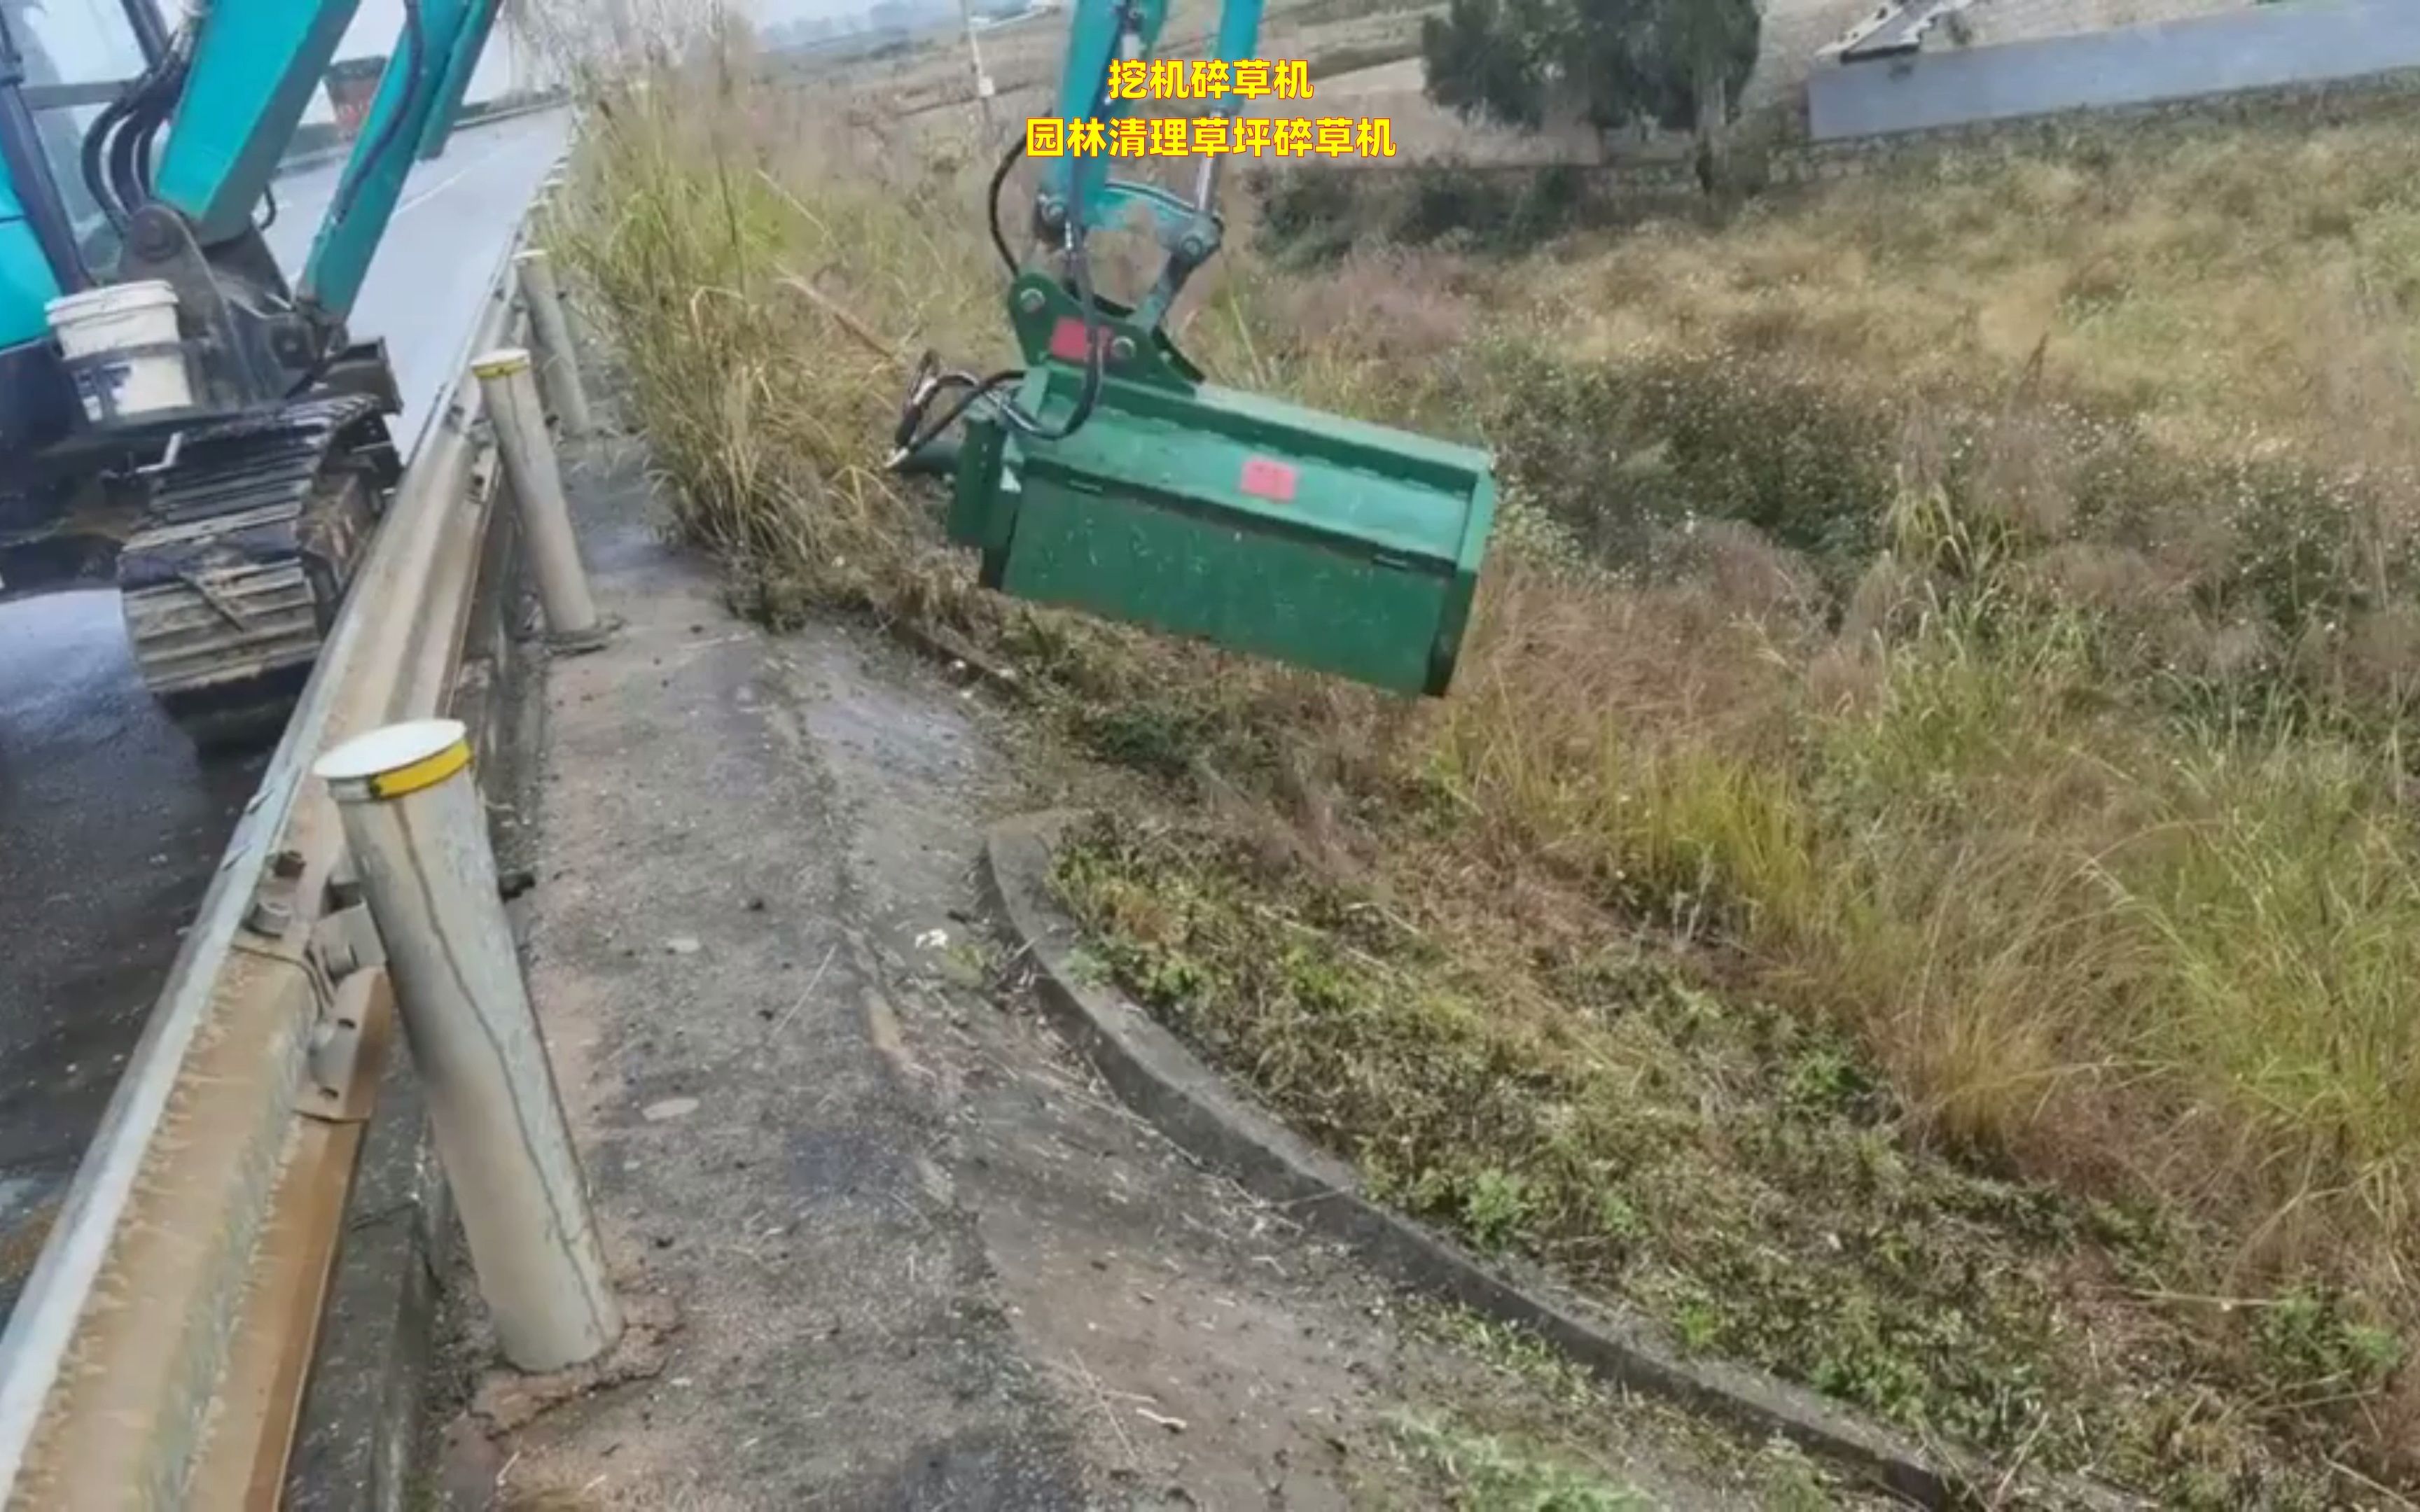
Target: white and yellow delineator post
{"x":518,"y":417}
{"x":417,"y":833}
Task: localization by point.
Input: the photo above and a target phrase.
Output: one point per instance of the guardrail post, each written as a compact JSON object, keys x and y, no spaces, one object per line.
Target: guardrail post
{"x":544,"y":208}
{"x":558,"y":357}
{"x":520,"y":421}
{"x":417,"y":831}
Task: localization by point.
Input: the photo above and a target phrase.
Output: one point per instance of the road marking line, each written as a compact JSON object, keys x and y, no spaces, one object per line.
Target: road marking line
{"x":436,"y":189}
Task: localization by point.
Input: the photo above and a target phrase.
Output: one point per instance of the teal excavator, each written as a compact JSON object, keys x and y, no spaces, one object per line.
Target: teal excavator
{"x":175,"y":416}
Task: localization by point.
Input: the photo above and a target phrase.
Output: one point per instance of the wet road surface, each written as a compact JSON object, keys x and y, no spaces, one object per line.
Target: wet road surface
{"x":110,"y":824}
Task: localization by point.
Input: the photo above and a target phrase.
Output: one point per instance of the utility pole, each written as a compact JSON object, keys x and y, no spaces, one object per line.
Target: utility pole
{"x":975,"y":59}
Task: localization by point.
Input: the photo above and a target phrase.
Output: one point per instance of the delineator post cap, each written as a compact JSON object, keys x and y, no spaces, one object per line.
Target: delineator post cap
{"x":397,"y":761}
{"x":500,"y":362}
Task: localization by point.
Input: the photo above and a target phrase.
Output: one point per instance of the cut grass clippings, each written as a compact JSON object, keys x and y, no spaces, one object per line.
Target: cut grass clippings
{"x":1913,"y":887}
{"x":1526,"y":1406}
{"x":1474,"y":1472}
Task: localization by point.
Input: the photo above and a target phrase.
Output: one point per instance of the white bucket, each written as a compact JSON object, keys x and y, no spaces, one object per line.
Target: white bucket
{"x":124,"y":318}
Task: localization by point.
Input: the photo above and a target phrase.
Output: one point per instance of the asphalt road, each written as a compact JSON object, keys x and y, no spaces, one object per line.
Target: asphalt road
{"x":109,"y":826}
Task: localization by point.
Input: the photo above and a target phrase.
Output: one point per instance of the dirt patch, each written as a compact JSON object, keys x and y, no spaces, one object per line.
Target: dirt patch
{"x":508,"y":1400}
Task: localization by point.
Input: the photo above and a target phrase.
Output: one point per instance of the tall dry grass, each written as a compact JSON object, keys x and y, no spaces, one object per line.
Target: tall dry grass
{"x":727,"y":234}
{"x":1971,"y":775}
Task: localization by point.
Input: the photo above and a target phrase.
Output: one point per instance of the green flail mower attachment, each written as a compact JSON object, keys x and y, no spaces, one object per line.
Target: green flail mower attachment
{"x":1347,"y":548}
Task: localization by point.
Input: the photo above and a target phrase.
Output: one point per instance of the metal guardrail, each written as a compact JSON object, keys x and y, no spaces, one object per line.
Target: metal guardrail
{"x":158,"y":1353}
{"x":339,"y":151}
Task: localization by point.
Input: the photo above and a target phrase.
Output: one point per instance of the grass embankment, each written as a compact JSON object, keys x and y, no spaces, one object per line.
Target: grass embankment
{"x":1913,"y":887}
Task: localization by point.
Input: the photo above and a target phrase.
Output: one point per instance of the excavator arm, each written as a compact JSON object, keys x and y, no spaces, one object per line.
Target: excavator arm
{"x":241,"y":72}
{"x":414,"y":112}
{"x":256,"y":63}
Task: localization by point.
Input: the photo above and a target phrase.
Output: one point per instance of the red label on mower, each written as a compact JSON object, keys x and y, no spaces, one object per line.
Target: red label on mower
{"x":1067,"y":339}
{"x":1265,"y":477}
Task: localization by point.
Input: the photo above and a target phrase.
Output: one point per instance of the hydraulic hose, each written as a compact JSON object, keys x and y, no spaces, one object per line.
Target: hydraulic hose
{"x":406,"y":109}
{"x":95,"y":155}
{"x":154,"y":121}
{"x":117,"y":147}
{"x":991,"y":204}
{"x":912,"y":434}
{"x":126,"y":144}
{"x":914,"y":437}
{"x":1080,"y":266}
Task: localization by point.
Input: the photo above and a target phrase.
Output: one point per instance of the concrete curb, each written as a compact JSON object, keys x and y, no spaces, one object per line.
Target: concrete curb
{"x":1161,"y":1078}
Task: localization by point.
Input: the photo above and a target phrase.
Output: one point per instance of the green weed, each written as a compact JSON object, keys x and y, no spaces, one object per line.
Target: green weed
{"x":1480,"y":1472}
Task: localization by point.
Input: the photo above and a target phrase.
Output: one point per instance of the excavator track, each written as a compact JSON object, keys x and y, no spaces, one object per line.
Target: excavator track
{"x":246,"y":548}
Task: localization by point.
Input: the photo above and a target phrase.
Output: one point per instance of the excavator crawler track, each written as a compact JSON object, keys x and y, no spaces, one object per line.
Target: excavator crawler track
{"x":246,"y":548}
